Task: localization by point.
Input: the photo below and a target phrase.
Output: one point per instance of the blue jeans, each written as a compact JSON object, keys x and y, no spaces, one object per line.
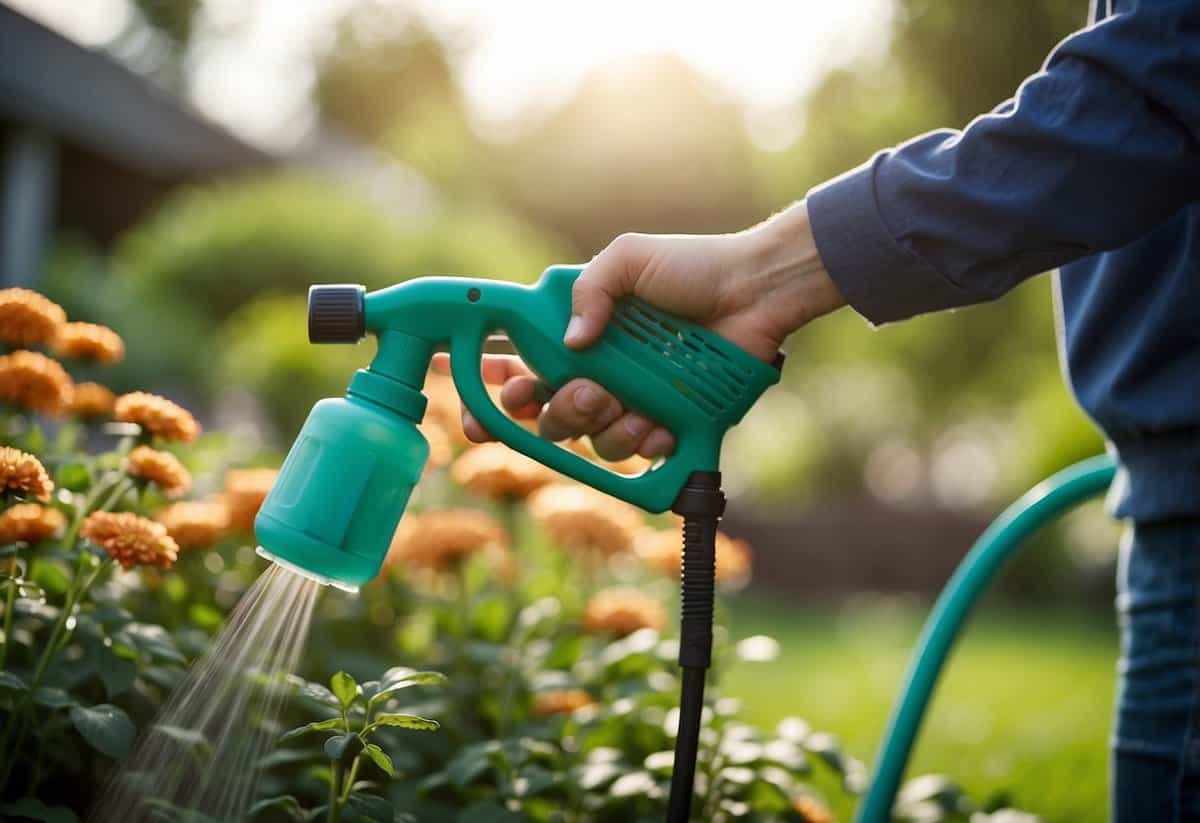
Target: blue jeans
{"x":1156,"y":741}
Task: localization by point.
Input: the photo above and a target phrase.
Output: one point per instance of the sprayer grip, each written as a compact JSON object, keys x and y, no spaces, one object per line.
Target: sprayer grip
{"x":336,"y":313}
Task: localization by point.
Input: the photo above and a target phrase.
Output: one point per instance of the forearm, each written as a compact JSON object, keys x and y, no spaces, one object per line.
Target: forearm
{"x":1095,"y":150}
{"x":781,"y":272}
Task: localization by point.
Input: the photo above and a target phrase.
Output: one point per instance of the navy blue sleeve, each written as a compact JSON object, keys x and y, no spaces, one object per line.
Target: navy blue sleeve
{"x":1092,"y":152}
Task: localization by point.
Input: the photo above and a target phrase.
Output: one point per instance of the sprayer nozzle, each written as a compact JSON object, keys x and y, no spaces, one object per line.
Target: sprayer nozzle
{"x":292,"y":567}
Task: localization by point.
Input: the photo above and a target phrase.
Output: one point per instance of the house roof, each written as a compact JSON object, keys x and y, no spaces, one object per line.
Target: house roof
{"x":88,"y":99}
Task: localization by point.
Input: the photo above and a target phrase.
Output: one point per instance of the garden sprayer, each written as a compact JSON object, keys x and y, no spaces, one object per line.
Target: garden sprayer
{"x":344,"y":485}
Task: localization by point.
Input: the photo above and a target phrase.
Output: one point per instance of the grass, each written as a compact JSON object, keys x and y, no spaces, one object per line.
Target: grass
{"x":1023,"y":709}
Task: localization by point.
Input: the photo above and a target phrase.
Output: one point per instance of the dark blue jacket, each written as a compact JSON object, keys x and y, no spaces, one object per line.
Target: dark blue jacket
{"x":1093,"y":167}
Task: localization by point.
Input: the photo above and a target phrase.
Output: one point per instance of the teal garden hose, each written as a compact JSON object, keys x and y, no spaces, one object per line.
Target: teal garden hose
{"x":1046,"y":501}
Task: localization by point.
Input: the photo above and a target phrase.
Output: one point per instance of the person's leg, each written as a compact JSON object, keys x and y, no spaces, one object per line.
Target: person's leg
{"x":1156,"y":740}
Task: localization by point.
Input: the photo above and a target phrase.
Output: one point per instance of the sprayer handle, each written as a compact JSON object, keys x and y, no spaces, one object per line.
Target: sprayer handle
{"x":670,"y":370}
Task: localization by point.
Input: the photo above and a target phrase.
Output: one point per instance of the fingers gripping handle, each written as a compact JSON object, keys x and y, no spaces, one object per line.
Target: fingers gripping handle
{"x":654,"y":490}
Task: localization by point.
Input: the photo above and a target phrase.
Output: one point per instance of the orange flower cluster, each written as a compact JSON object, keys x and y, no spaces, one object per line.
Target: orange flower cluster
{"x":811,"y":811}
{"x":560,"y":701}
{"x":23,"y":474}
{"x":445,"y":407}
{"x":440,"y":450}
{"x":245,"y":491}
{"x":622,"y":611}
{"x":35,"y":381}
{"x":30,"y":523}
{"x":27,"y":318}
{"x":160,"y":467}
{"x":89,"y":341}
{"x":436,"y":540}
{"x":495,"y":470}
{"x":661,"y":549}
{"x":91,"y":400}
{"x":157,"y":415}
{"x":131,"y":540}
{"x":195,"y":523}
{"x":581,"y":518}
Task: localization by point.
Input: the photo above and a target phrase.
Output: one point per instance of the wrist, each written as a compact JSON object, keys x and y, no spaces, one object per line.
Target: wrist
{"x":781,"y":270}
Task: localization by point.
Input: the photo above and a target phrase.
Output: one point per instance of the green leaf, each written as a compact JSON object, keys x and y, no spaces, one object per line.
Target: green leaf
{"x":318,"y":726}
{"x":344,"y":688}
{"x":204,"y":616}
{"x":52,"y":698}
{"x":343,"y":747}
{"x":286,"y":804}
{"x":106,"y":728}
{"x":35,"y":439}
{"x":12,"y":682}
{"x":380,"y":758}
{"x":368,"y":808}
{"x":470,"y":763}
{"x":34,"y":809}
{"x":189,"y":738}
{"x":487,"y":811}
{"x":317,"y":693}
{"x":413,"y":679}
{"x":404,"y":721}
{"x":74,"y":476}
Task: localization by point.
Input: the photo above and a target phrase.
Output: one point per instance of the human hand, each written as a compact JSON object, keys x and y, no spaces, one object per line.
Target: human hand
{"x":754,"y":288}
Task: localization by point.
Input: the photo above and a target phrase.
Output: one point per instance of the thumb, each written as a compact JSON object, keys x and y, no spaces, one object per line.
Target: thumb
{"x":604,"y":281}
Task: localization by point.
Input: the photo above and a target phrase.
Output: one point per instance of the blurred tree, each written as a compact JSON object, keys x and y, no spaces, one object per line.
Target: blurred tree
{"x":650,"y":145}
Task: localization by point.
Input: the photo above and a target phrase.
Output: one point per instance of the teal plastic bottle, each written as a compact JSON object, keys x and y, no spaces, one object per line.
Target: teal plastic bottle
{"x":342,"y":490}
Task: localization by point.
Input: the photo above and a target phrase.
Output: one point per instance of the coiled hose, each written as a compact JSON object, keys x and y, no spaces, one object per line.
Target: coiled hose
{"x":1039,"y":506}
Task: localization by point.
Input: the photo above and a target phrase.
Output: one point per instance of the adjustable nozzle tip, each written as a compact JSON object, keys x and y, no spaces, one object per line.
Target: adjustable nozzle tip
{"x":320,"y":578}
{"x":336,"y":313}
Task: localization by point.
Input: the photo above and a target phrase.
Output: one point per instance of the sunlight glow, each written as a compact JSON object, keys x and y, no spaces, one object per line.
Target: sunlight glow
{"x":250,"y":65}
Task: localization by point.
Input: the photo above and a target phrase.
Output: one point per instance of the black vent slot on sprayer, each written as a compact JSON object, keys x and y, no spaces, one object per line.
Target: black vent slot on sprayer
{"x":710,"y":379}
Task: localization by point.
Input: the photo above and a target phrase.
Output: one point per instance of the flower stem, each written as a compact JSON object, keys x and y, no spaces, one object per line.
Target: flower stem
{"x":335,"y":803}
{"x":350,"y":779}
{"x":9,"y":599}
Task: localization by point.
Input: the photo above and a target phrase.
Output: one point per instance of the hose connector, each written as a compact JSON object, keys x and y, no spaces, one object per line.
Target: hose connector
{"x":701,"y":503}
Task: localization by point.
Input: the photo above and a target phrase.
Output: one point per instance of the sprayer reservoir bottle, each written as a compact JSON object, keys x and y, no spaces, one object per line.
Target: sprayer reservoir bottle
{"x":342,"y":489}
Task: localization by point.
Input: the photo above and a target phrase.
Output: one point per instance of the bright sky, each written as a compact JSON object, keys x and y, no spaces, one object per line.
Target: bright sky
{"x":250,"y":70}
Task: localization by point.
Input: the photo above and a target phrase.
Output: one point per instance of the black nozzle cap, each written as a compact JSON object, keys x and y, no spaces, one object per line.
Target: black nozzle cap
{"x":336,"y":313}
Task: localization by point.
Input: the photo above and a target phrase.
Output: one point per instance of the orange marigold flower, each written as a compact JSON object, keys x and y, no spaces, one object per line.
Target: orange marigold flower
{"x":440,"y":451}
{"x":23,"y":474}
{"x":635,"y":464}
{"x":579,"y":517}
{"x":89,"y":341}
{"x":495,"y":470}
{"x":157,"y":415}
{"x":445,"y":407}
{"x":245,"y":491}
{"x":34,"y":381}
{"x":131,"y":540}
{"x":436,"y":540}
{"x":622,"y":611}
{"x":30,"y":523}
{"x":812,"y":811}
{"x":661,"y":549}
{"x":91,"y":400}
{"x":560,"y":701}
{"x":160,"y":467}
{"x":27,"y":318}
{"x":195,"y":523}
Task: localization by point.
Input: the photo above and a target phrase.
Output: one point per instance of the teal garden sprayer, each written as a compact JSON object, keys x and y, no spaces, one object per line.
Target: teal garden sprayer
{"x":345,"y":483}
{"x":347,"y":478}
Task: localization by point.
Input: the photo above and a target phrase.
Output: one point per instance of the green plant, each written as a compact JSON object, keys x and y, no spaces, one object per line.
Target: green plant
{"x":361,"y":718}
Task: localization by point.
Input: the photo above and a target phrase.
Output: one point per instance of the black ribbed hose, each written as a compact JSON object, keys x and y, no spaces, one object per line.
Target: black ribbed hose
{"x":701,"y":503}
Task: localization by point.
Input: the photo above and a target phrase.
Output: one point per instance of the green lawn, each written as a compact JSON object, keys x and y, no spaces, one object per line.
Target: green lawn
{"x":1024,"y":707}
